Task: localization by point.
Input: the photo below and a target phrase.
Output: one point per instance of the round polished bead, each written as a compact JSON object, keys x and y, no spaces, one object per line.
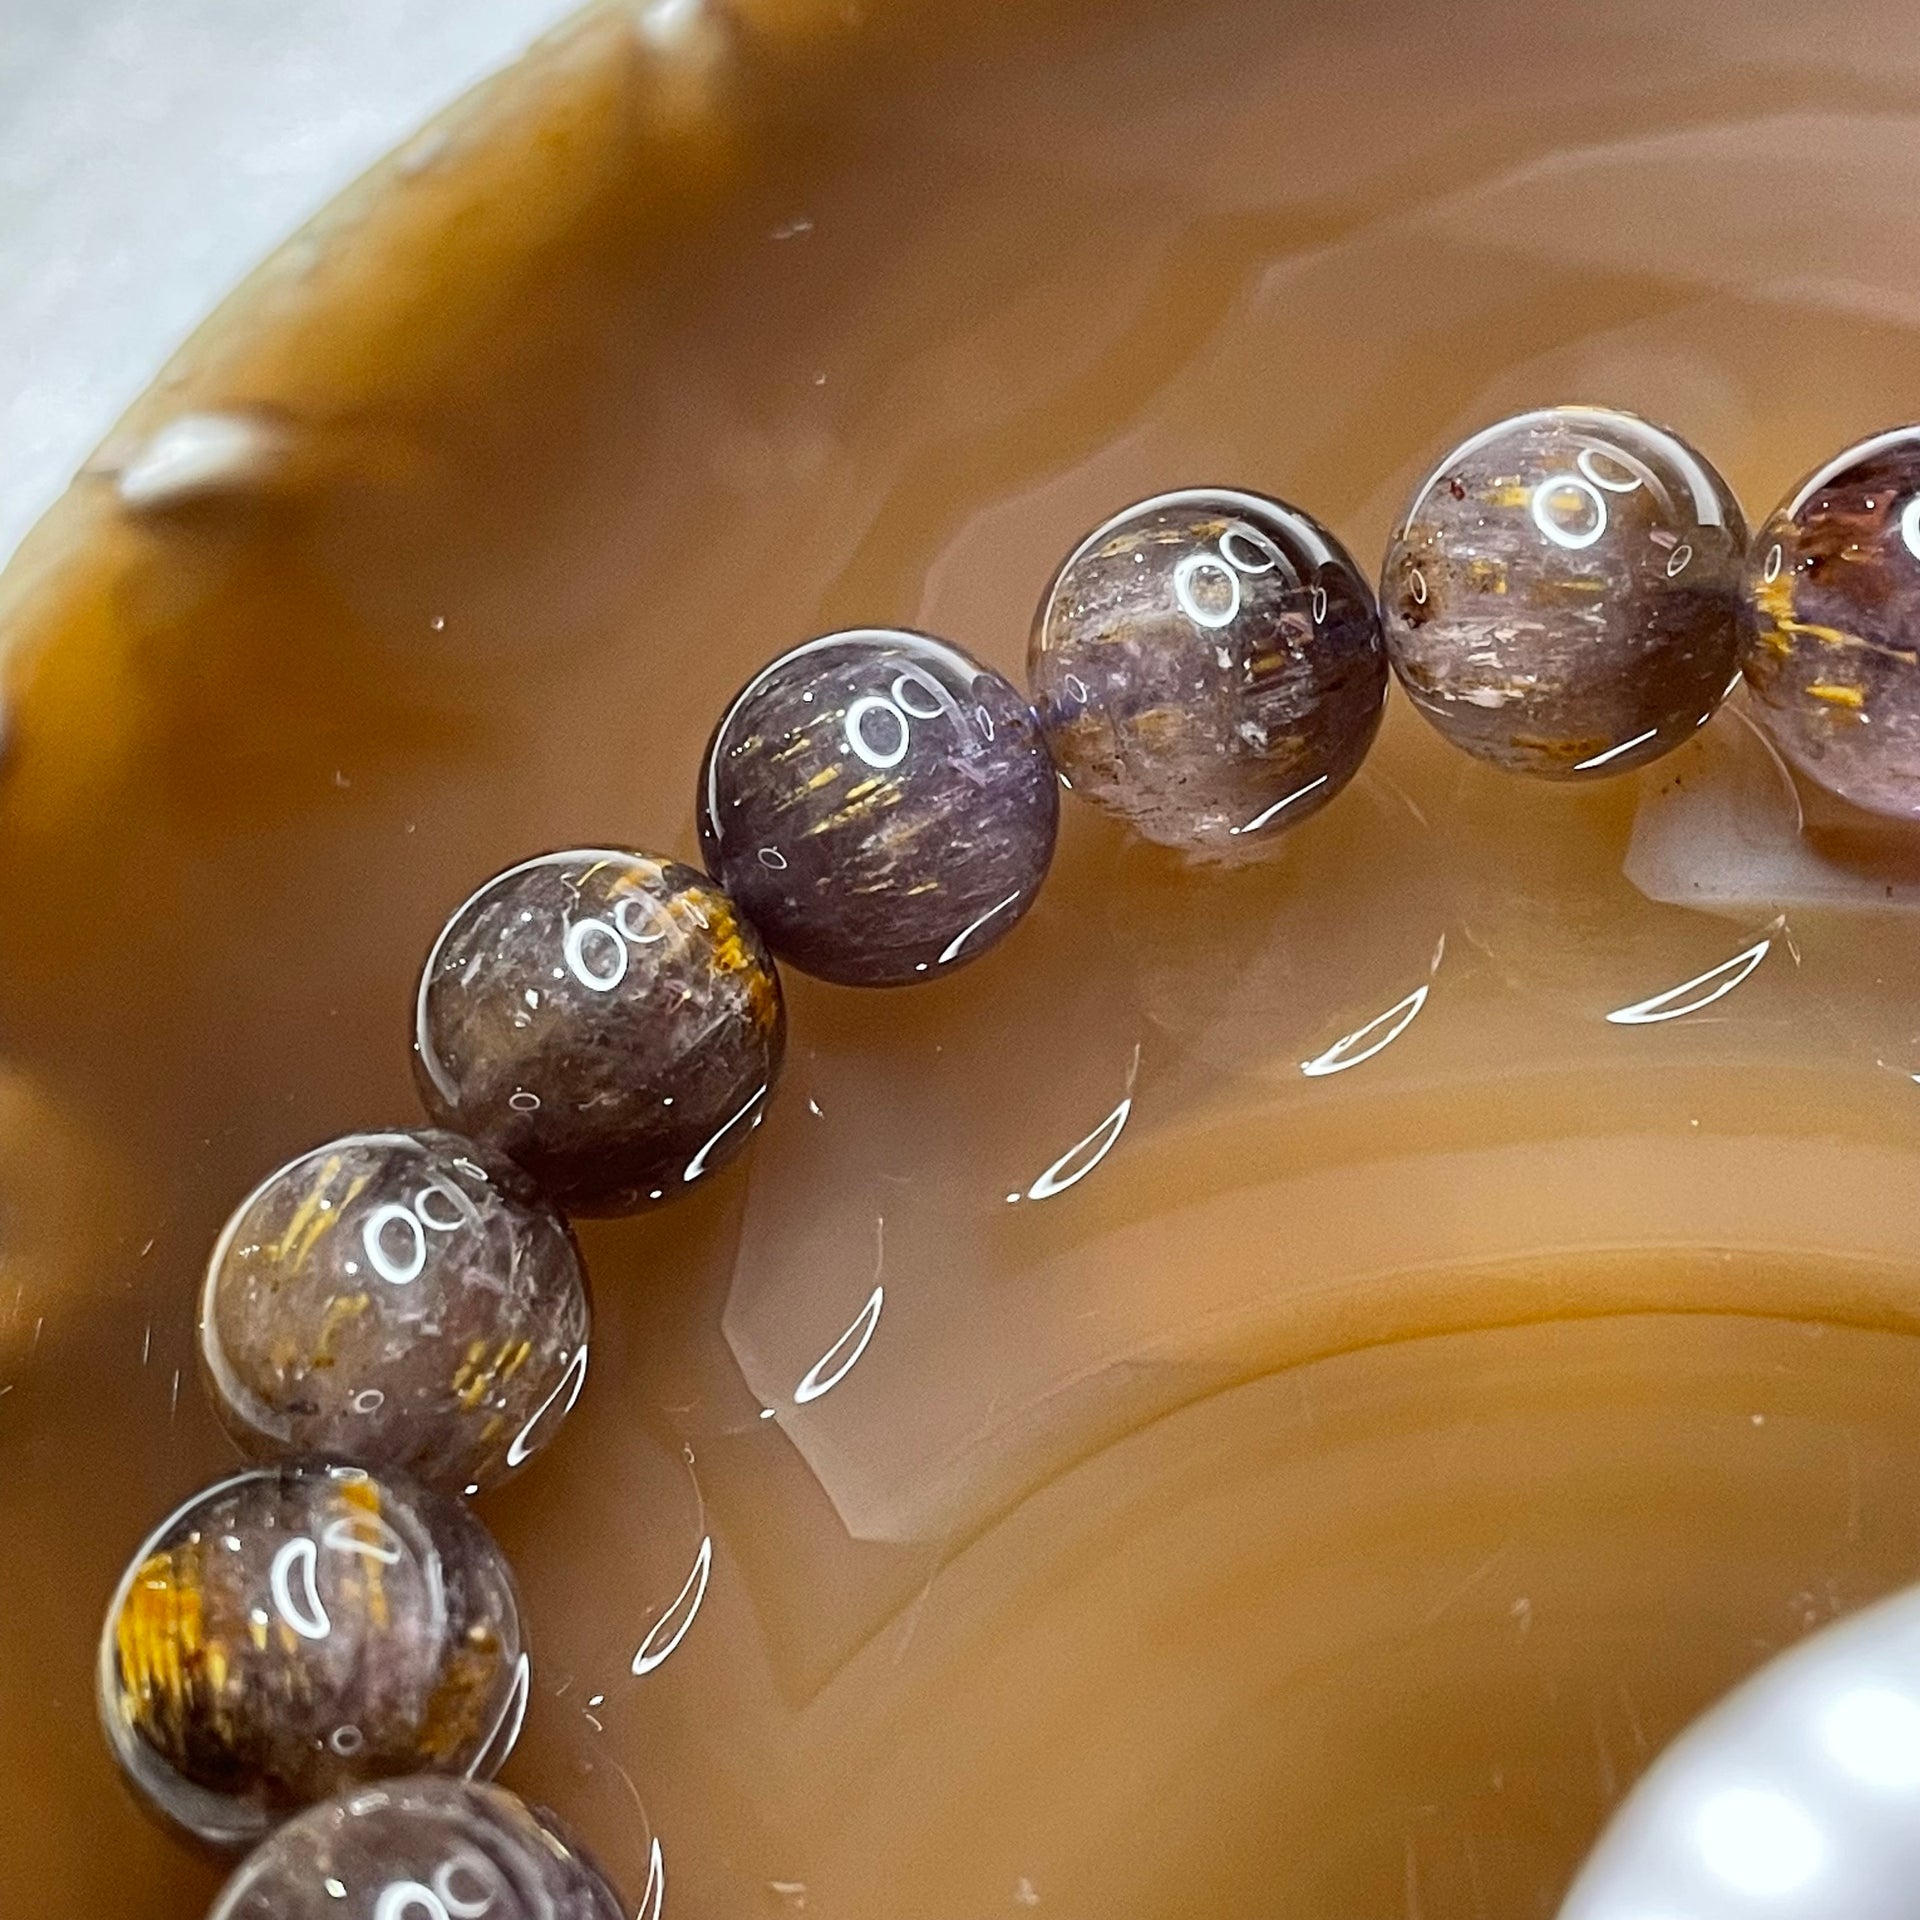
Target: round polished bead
{"x":1833,"y":658}
{"x":1208,"y":666}
{"x":608,"y":1020}
{"x":398,"y":1299}
{"x":424,"y":1848}
{"x":1563,"y":597}
{"x":882,"y":806}
{"x":295,"y":1630}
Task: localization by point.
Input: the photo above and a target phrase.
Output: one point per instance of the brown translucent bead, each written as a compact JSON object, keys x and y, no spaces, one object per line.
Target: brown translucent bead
{"x":608,"y":1020}
{"x":882,"y":804}
{"x":1208,"y":666}
{"x":398,"y":1299}
{"x":1834,"y":658}
{"x":295,"y":1630}
{"x":1563,"y":597}
{"x":425,"y":1848}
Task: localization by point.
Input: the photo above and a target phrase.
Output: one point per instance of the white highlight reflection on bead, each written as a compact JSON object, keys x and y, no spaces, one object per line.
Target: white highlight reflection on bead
{"x":1874,"y":1734}
{"x":466,"y":1906}
{"x":402,"y":1272}
{"x":365,"y":1534}
{"x":602,"y":979}
{"x":306,"y":1613}
{"x":1910,"y":525}
{"x":466,"y":1214}
{"x":951,"y":951}
{"x":1614,"y":753}
{"x":698,"y":1164}
{"x":1261,"y":818}
{"x":506,"y":1729}
{"x":1588,"y":463}
{"x":569,"y":1383}
{"x":402,"y":1899}
{"x":1758,"y":1841}
{"x":855,"y":729}
{"x":1192,"y":605}
{"x":1559,"y":484}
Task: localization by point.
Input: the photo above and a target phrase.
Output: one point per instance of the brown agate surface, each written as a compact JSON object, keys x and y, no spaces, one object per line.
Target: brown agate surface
{"x":1286,"y":1386}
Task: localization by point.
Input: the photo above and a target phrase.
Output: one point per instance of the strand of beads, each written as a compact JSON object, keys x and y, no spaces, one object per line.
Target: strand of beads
{"x":1570,"y":594}
{"x":324,"y":1654}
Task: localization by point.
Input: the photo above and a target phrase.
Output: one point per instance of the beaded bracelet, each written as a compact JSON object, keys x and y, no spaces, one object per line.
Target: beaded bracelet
{"x":398,"y":1319}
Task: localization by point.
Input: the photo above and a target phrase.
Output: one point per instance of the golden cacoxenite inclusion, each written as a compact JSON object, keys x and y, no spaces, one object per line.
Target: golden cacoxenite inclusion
{"x":608,"y":1020}
{"x":881,"y":804}
{"x":1563,"y":597}
{"x":1208,"y":666}
{"x":297,"y":1629}
{"x":403,"y":1298}
{"x":1834,"y":661}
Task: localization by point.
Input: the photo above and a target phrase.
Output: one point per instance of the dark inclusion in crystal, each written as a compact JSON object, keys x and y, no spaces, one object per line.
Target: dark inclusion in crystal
{"x":881,"y":804}
{"x":1834,"y":655}
{"x":400,"y":1299}
{"x":296,"y":1630}
{"x":420,"y":1849}
{"x":1208,"y":665}
{"x":608,"y":1020}
{"x":1563,"y":597}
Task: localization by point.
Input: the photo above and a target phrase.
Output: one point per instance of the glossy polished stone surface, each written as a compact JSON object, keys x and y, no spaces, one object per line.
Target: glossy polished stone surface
{"x":1834,"y":657}
{"x":606,"y":1019}
{"x":399,"y":1300}
{"x":295,"y":1630}
{"x":881,"y":804}
{"x":1563,"y":598}
{"x":424,"y":1848}
{"x":1792,"y":1799}
{"x":1208,"y":666}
